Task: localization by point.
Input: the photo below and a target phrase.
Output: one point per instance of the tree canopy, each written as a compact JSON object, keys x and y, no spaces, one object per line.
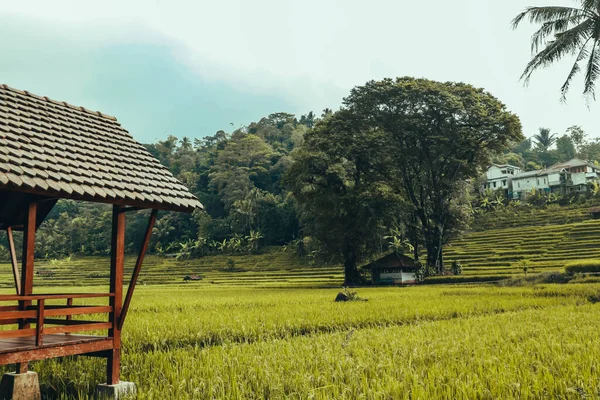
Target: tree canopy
{"x":438,"y":135}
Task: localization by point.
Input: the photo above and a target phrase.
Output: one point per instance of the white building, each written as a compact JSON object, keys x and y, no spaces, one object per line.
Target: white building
{"x":564,"y":177}
{"x":525,"y":182}
{"x":499,"y":176}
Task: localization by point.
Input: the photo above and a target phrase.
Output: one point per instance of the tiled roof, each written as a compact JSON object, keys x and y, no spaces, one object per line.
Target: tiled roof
{"x":52,"y":148}
{"x":528,"y":174}
{"x":572,"y":163}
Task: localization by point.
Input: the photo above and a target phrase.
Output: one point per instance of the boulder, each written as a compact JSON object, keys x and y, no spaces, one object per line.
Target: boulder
{"x":341,"y":297}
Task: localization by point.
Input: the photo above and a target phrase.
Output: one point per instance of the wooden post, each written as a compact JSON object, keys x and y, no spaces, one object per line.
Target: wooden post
{"x":137,"y":269}
{"x":117,"y":260}
{"x":13,"y":259}
{"x":69,"y":317}
{"x":27,"y":268}
{"x":39,"y":324}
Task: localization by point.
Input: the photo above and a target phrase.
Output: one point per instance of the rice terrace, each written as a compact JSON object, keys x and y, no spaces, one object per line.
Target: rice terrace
{"x":431,"y":233}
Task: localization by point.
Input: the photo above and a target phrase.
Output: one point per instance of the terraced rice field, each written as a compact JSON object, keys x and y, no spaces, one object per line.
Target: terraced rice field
{"x":273,"y":269}
{"x":498,"y":252}
{"x":492,"y":254}
{"x":514,"y":218}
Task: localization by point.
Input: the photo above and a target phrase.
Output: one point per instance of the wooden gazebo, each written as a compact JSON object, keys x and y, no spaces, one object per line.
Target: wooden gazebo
{"x":51,"y":150}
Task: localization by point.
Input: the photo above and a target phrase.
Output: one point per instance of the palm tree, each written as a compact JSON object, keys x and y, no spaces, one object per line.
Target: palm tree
{"x":565,"y":31}
{"x":162,"y":229}
{"x":544,"y":139}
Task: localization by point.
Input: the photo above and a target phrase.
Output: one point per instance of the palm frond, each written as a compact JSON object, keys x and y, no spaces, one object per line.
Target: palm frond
{"x":542,"y":15}
{"x":583,"y":53}
{"x":538,"y":39}
{"x":566,"y":43}
{"x":592,"y":71}
{"x":591,"y":6}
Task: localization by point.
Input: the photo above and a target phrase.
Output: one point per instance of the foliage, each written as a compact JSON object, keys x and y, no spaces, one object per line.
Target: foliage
{"x":352,"y":295}
{"x":583,"y":266}
{"x":456,"y":267}
{"x":341,"y":202}
{"x":544,"y":139}
{"x":565,"y":32}
{"x":448,"y":132}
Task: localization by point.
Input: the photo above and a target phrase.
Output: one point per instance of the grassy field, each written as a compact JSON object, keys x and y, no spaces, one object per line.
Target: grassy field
{"x":270,"y":328}
{"x":462,"y":342}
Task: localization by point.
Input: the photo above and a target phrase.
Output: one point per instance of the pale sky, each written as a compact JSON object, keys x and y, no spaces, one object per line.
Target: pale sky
{"x":189,"y":68}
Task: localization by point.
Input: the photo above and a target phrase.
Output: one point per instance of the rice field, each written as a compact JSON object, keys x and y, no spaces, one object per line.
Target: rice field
{"x":423,"y":342}
{"x":543,"y":248}
{"x":270,"y":328}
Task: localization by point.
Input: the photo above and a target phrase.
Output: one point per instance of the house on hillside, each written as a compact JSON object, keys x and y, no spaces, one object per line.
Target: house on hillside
{"x":525,"y":182}
{"x":499,"y":176}
{"x":393,"y":269}
{"x":561,"y":178}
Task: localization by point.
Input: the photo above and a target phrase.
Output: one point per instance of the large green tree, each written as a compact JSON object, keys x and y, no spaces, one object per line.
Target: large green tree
{"x":342,"y":201}
{"x":565,"y":32}
{"x":437,"y":136}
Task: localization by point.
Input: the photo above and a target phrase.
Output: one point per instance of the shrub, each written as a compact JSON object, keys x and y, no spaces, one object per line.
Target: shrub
{"x":583,"y":266}
{"x":352,"y":295}
{"x":456,"y":267}
{"x":230,"y":266}
{"x":535,"y":279}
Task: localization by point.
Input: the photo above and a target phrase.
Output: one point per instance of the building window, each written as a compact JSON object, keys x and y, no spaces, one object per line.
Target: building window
{"x":538,"y":182}
{"x":503,"y":183}
{"x":494,"y":184}
{"x":544,"y":181}
{"x":519,"y":184}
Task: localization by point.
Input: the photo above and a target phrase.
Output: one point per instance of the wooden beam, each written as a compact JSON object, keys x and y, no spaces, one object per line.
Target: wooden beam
{"x":54,"y":311}
{"x":53,"y":296}
{"x":118,"y":202}
{"x":62,"y":350}
{"x":128,"y":209}
{"x":69,"y":317}
{"x":13,"y":259}
{"x":138,"y":267}
{"x":27,"y":267}
{"x":117,"y":259}
{"x":28,"y":250}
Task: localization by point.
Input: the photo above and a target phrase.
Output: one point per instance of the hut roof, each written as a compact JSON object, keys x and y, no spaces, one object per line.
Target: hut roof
{"x":53,"y":149}
{"x":392,"y":261}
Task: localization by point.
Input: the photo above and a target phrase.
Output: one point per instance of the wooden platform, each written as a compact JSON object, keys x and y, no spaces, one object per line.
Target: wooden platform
{"x":22,"y":349}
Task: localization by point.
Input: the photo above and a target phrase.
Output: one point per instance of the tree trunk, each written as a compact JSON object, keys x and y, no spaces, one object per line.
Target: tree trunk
{"x":351,"y":274}
{"x":434,"y":242}
{"x":416,"y":250}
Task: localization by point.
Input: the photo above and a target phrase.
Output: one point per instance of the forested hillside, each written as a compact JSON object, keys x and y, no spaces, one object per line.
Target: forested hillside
{"x":238,"y":178}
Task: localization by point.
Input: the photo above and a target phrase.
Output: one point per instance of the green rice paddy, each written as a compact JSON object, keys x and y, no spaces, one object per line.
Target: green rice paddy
{"x":270,"y":328}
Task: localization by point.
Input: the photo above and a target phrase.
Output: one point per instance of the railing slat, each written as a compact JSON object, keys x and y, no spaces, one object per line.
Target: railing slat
{"x":14,"y":297}
{"x":17,"y":333}
{"x":78,"y":328}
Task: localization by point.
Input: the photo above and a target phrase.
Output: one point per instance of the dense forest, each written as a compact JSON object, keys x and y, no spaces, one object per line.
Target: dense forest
{"x":333,"y":188}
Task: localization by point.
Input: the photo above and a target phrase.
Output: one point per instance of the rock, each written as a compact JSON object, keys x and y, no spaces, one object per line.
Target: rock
{"x":341,"y":297}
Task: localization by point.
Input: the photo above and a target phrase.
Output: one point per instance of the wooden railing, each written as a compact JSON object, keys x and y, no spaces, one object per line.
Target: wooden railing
{"x":42,"y":314}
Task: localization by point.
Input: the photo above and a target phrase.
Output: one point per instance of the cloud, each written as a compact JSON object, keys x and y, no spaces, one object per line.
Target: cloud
{"x":142,"y":79}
